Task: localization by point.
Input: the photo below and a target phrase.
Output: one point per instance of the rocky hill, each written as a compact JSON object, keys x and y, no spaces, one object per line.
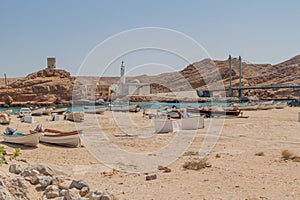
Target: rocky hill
{"x":44,"y":86}
{"x":53,"y":85}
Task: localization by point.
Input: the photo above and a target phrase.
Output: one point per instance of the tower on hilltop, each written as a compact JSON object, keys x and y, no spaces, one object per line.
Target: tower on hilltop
{"x":51,"y":62}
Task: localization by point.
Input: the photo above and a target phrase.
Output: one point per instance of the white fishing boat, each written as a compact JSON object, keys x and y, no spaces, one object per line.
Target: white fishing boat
{"x":21,"y":138}
{"x":4,"y":119}
{"x":125,"y":108}
{"x":248,"y":107}
{"x":59,"y":111}
{"x":95,"y":111}
{"x":280,"y":105}
{"x":265,"y":106}
{"x":69,"y":139}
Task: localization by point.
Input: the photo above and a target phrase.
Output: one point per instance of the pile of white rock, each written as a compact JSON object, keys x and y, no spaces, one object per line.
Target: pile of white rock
{"x":51,"y":183}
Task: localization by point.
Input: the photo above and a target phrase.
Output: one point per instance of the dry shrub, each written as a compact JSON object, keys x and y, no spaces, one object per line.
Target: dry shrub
{"x":191,"y":153}
{"x":296,"y":158}
{"x":260,"y":154}
{"x":287,"y":155}
{"x":218,"y":155}
{"x":196,"y":164}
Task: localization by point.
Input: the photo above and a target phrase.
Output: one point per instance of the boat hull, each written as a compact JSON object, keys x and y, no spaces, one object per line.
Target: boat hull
{"x":27,"y":140}
{"x":63,"y":140}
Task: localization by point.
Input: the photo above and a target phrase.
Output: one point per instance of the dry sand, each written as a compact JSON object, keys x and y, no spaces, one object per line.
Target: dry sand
{"x":236,"y":174}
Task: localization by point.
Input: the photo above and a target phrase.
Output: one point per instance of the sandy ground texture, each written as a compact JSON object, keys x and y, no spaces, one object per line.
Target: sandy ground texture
{"x":235,"y":171}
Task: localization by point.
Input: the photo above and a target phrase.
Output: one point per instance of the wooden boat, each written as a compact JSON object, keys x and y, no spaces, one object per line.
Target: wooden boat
{"x":280,"y":105}
{"x":125,"y":108}
{"x":248,"y":107}
{"x":211,"y":112}
{"x":4,"y":119}
{"x":95,"y":111}
{"x":265,"y":106}
{"x":21,"y":138}
{"x":70,"y":139}
{"x":37,"y":112}
{"x":59,"y":111}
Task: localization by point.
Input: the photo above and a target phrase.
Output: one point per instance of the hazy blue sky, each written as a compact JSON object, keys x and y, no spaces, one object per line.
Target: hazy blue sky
{"x":261,"y":31}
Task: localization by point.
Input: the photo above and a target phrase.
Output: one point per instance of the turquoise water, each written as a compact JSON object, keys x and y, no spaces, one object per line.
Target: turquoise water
{"x":156,"y":105}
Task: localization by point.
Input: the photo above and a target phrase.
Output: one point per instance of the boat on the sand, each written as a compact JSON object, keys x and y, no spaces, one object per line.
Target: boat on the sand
{"x":125,"y":108}
{"x":59,"y":111}
{"x":95,"y":111}
{"x":14,"y":137}
{"x":69,"y":139}
{"x":210,"y":112}
{"x":4,"y":119}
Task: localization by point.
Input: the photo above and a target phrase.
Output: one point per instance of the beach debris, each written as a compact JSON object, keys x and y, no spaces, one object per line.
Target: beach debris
{"x":260,"y":154}
{"x":111,"y":173}
{"x":150,"y":177}
{"x":218,"y":155}
{"x":288,"y":155}
{"x":196,"y":164}
{"x":165,"y":169}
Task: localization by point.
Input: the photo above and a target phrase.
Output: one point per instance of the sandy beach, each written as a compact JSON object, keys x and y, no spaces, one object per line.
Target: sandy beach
{"x":235,"y":172}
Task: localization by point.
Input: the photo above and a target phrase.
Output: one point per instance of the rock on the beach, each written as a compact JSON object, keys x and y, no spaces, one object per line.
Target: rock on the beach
{"x":96,"y":195}
{"x":16,"y":169}
{"x":44,"y":169}
{"x":107,"y":197}
{"x":34,"y":179}
{"x":45,"y":180}
{"x":51,"y":191}
{"x":84,"y":191}
{"x":72,"y":194}
{"x":151,"y":177}
{"x":17,"y":187}
{"x":4,"y":194}
{"x":78,"y":184}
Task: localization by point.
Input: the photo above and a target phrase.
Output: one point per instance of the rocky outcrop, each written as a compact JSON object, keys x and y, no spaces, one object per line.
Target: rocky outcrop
{"x":47,"y":85}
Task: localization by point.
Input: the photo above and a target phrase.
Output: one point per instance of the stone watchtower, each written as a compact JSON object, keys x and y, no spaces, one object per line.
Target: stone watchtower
{"x":51,"y":63}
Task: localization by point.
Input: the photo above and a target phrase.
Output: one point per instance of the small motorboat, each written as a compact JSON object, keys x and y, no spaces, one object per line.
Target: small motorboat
{"x":59,"y":111}
{"x":95,"y":111}
{"x":11,"y":136}
{"x":125,"y":108}
{"x":4,"y":119}
{"x":37,"y":112}
{"x":209,"y":112}
{"x":69,"y":139}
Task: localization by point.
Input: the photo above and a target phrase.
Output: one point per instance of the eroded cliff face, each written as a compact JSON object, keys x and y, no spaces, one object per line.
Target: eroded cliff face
{"x":47,"y":86}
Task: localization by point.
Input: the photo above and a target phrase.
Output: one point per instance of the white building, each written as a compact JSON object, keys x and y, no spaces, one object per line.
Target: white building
{"x":132,"y":88}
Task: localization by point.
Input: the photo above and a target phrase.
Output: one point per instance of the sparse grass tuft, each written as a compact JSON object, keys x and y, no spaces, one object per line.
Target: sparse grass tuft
{"x":191,"y":153}
{"x":260,"y":154}
{"x":287,"y":155}
{"x":196,"y":164}
{"x":296,"y":158}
